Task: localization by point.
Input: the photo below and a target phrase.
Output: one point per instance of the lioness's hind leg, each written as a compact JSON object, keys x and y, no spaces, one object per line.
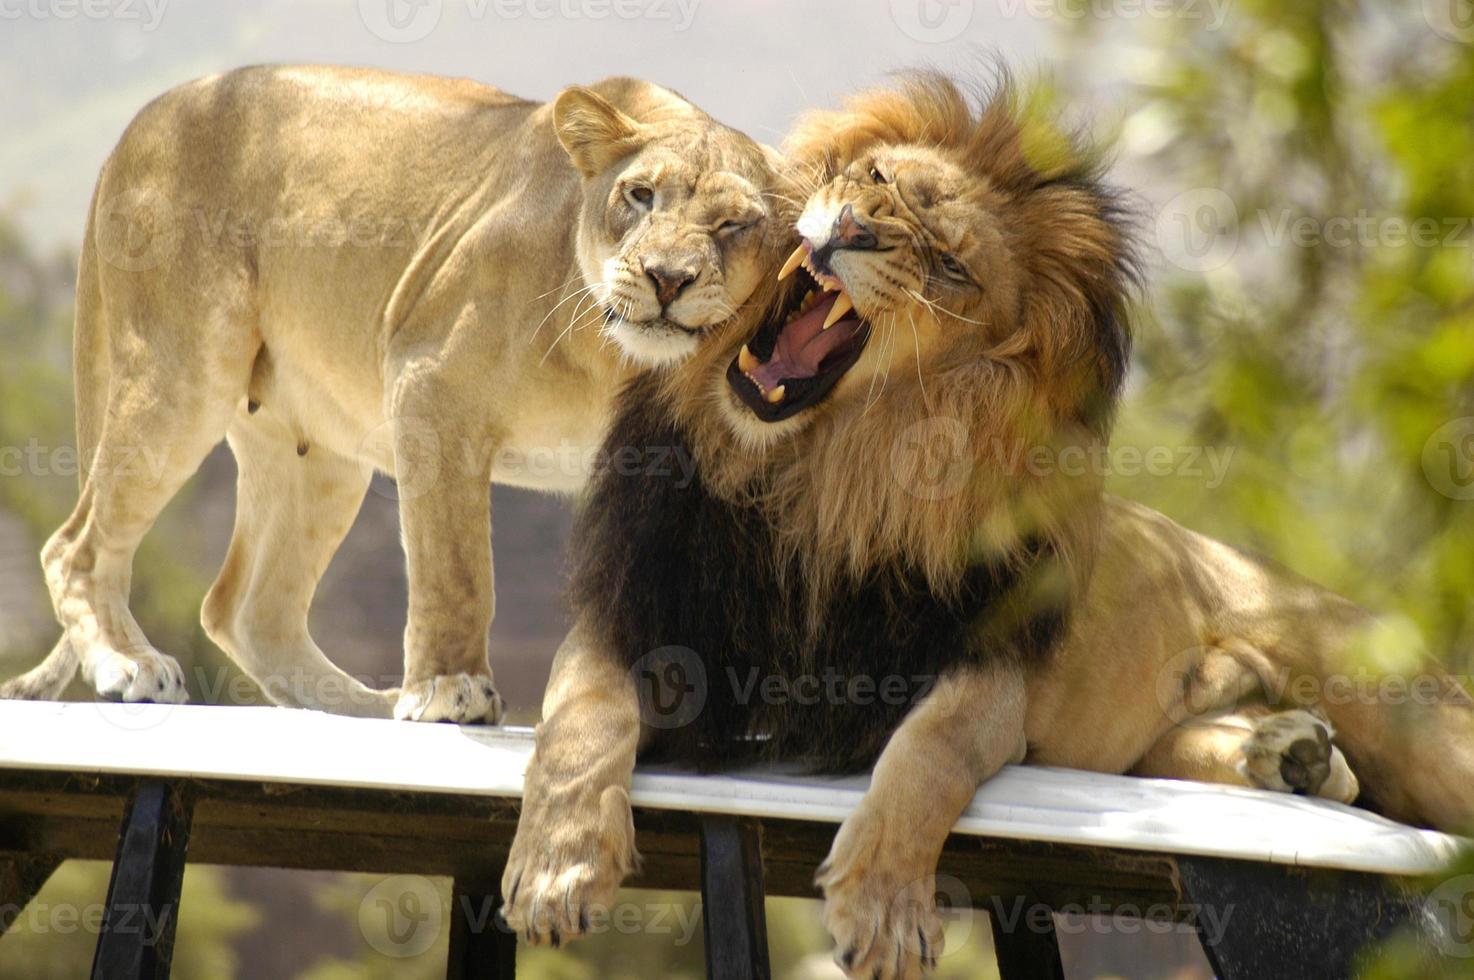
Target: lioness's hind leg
{"x":293,"y":509}
{"x":160,"y":423}
{"x":1284,"y":751}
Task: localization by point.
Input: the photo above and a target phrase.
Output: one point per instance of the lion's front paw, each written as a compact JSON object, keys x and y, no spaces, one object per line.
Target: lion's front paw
{"x":1292,"y":752}
{"x":879,"y":905}
{"x":463,"y":699}
{"x":566,"y":864}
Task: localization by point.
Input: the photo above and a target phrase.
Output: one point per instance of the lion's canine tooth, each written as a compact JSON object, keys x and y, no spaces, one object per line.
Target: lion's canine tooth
{"x":775,"y":396}
{"x":746,"y":361}
{"x":836,"y":312}
{"x":800,"y":256}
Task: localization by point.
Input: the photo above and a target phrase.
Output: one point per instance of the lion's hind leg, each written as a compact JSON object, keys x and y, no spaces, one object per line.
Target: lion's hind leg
{"x":1285,"y":751}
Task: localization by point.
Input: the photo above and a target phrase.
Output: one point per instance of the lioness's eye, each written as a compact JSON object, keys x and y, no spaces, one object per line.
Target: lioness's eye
{"x":640,"y":196}
{"x":732,"y":227}
{"x":876,"y":175}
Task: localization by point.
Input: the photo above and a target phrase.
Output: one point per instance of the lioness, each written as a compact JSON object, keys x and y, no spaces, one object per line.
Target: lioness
{"x":960,"y":283}
{"x":340,"y":270}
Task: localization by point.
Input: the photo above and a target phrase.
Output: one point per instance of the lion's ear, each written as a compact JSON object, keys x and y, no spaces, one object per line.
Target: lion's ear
{"x":595,"y":133}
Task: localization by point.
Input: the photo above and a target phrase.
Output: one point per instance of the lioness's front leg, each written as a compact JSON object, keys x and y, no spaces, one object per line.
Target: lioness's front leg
{"x":444,"y":479}
{"x":879,"y":878}
{"x":575,"y":839}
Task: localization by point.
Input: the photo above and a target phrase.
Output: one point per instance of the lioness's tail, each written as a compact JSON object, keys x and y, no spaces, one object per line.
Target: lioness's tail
{"x":46,"y":680}
{"x":90,"y":378}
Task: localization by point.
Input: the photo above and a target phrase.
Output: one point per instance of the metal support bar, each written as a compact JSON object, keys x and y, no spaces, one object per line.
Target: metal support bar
{"x":1267,"y":921}
{"x":21,"y":877}
{"x":735,"y":923}
{"x":137,"y":940}
{"x":1025,"y":944}
{"x":482,"y":947}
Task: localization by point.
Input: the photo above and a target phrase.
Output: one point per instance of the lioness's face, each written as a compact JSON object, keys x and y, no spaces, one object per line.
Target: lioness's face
{"x":672,"y":230}
{"x":904,"y":259}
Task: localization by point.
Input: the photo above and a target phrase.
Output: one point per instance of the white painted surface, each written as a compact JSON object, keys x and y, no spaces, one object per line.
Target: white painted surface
{"x":1022,"y":803}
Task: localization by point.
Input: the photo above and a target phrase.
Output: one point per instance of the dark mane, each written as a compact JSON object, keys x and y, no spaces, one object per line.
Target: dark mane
{"x":684,"y":588}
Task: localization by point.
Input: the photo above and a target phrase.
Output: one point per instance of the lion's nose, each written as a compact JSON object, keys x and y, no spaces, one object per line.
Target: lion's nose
{"x":669,"y":282}
{"x":851,"y":232}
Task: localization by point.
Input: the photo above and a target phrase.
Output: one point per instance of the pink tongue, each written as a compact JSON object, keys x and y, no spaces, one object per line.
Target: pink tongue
{"x":803,"y":345}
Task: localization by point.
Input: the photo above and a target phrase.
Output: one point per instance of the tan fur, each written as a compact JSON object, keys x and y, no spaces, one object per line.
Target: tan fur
{"x":1179,"y":632}
{"x":342,"y":271}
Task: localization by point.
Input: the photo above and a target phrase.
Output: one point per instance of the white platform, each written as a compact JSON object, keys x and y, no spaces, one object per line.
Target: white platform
{"x":1021,"y":803}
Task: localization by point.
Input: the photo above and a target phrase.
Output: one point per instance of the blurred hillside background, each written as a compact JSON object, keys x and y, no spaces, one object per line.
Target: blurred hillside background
{"x":1305,"y":177}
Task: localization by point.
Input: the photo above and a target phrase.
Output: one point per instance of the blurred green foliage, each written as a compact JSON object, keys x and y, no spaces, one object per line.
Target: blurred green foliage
{"x":55,"y":936}
{"x":1311,"y":304}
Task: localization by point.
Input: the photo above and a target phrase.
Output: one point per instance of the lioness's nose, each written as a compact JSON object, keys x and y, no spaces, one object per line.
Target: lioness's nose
{"x":669,"y":282}
{"x":851,"y":232}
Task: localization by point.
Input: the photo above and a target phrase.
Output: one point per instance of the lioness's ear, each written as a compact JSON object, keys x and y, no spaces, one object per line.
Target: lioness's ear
{"x":595,"y":133}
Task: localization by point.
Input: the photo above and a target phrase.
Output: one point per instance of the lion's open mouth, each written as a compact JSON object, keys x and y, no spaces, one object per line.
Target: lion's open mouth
{"x":795,"y":359}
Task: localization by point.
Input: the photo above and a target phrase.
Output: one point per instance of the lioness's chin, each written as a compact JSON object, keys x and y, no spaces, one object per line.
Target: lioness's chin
{"x":653,"y":344}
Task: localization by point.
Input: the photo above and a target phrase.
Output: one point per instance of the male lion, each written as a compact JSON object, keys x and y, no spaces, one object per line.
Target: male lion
{"x":340,"y":270}
{"x":962,"y":281}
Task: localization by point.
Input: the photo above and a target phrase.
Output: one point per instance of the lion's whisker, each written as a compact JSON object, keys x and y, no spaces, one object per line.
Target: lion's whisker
{"x":935,"y":308}
{"x":925,"y":401}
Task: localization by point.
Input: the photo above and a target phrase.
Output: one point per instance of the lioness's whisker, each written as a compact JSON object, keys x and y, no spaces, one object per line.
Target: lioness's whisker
{"x":584,"y":290}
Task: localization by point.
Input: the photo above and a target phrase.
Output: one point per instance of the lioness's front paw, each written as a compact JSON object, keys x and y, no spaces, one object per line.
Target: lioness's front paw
{"x":566,"y":863}
{"x":879,"y":905}
{"x":141,"y":674}
{"x":463,"y":699}
{"x":1292,"y":752}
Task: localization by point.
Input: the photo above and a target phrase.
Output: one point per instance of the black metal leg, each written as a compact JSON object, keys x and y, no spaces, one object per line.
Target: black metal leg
{"x":1264,"y":921}
{"x":733,"y":917}
{"x":1024,"y":942}
{"x":481,"y":945}
{"x":21,"y":877}
{"x":137,"y":938}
